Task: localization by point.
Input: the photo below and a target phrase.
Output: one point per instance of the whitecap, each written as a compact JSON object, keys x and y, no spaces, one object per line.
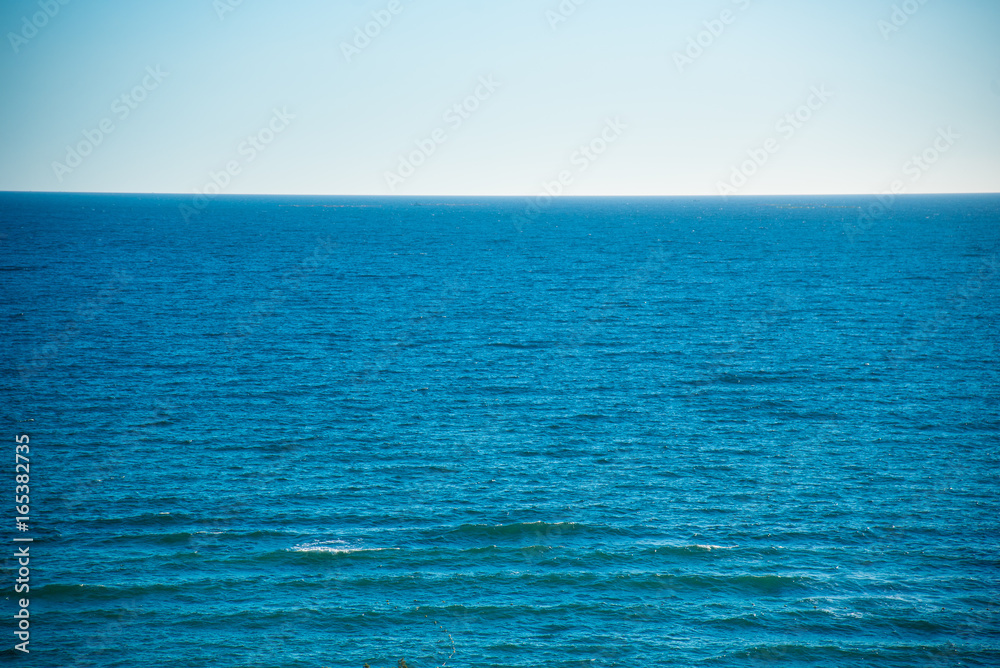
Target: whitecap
{"x":336,"y":547}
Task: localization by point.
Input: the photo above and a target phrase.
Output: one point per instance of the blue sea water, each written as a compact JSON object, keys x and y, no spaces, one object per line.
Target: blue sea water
{"x":305,"y":432}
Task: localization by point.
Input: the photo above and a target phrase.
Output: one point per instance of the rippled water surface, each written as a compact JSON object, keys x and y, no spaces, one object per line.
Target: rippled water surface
{"x":304,"y":432}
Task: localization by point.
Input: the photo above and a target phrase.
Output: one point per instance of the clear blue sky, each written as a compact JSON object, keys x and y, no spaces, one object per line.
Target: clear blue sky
{"x":682,"y":127}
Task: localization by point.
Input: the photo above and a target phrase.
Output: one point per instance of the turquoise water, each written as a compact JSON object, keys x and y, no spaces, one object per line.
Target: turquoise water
{"x":325,"y":432}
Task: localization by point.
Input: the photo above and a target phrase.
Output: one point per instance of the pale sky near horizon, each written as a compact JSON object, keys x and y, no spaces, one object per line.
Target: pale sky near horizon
{"x":901,"y":93}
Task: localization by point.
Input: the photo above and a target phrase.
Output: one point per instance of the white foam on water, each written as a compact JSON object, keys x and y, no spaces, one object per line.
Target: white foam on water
{"x":716,"y":547}
{"x":336,"y":547}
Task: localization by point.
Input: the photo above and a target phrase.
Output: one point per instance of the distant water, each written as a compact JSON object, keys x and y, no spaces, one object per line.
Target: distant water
{"x":307,"y":432}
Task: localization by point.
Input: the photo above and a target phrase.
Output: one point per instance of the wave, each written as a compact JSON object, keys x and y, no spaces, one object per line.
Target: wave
{"x":89,"y":593}
{"x":219,"y":532}
{"x":337,"y":547}
{"x":686,"y":550}
{"x":149,"y":519}
{"x":519,"y":530}
{"x":531,"y":345}
{"x":835,"y":655}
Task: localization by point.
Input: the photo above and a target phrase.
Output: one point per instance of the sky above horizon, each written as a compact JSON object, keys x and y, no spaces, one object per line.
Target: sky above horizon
{"x":520,"y":97}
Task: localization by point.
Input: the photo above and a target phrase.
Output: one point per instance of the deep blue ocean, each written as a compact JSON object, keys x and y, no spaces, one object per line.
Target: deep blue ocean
{"x":307,"y":432}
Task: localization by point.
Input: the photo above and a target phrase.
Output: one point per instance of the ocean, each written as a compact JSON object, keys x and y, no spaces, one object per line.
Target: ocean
{"x":284,"y":432}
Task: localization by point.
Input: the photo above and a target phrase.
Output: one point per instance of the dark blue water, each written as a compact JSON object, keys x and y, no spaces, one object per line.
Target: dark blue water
{"x":308,"y":432}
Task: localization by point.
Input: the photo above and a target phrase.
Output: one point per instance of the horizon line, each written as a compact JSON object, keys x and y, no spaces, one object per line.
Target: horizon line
{"x":480,"y":196}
